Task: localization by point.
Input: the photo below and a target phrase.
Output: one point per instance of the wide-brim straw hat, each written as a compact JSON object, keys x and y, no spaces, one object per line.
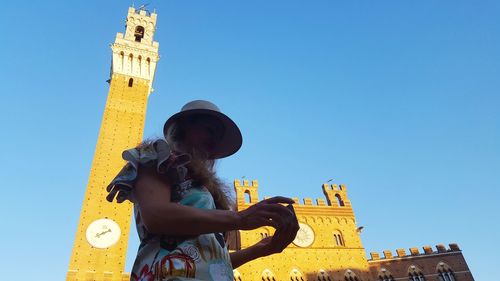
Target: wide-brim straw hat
{"x":231,"y":139}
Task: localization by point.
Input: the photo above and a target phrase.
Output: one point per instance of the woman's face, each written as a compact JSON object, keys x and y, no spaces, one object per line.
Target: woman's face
{"x":203,"y":132}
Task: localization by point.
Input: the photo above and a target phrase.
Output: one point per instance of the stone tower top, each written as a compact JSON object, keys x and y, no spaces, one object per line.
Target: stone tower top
{"x":135,"y":53}
{"x":140,"y":26}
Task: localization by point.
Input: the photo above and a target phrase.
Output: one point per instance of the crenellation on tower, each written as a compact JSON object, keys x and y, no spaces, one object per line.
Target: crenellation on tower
{"x":441,"y":248}
{"x":374,"y":256}
{"x":387,"y":254}
{"x":336,"y":195}
{"x":427,"y":249}
{"x":440,"y":263}
{"x":401,"y":252}
{"x":307,"y":201}
{"x":454,"y":247}
{"x":321,"y":202}
{"x":246,"y":193}
{"x":413,"y":252}
{"x":140,"y":26}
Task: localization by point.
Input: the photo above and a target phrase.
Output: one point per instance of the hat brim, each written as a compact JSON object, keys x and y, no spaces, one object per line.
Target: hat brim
{"x":231,"y":140}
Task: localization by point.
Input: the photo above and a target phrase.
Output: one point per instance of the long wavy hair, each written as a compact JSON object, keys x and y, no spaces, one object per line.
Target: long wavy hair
{"x":201,"y":170}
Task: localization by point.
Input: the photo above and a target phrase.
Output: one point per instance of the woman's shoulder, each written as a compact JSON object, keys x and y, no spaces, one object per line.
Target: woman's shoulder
{"x":191,"y":194}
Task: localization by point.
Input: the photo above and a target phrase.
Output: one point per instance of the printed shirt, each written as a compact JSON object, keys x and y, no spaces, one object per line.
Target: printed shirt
{"x":166,"y":257}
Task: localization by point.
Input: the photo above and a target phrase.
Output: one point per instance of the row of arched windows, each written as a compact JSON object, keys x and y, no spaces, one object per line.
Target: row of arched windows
{"x":139,"y":62}
{"x":414,"y":274}
{"x":296,"y":275}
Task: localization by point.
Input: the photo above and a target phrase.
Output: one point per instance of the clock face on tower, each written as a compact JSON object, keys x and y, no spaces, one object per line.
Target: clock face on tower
{"x":103,"y":233}
{"x":305,"y":236}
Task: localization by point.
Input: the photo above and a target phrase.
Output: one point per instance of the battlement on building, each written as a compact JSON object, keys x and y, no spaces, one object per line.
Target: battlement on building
{"x":142,"y":12}
{"x":139,"y":31}
{"x":414,"y":252}
{"x":336,"y":195}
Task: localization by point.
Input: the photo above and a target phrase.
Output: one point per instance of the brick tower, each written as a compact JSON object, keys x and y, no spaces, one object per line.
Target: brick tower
{"x":100,"y":247}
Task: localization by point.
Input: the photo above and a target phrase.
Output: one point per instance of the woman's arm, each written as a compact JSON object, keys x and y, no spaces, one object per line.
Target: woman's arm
{"x":160,"y":216}
{"x":267,"y":246}
{"x":241,"y":257}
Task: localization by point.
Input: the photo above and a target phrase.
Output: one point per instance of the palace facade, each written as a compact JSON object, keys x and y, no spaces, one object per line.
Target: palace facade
{"x":328,"y":247}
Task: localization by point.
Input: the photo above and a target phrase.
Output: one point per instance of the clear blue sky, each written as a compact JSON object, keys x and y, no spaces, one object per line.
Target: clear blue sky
{"x":399,"y":100}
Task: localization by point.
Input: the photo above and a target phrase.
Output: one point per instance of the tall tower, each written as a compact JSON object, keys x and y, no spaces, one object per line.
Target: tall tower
{"x":100,"y":247}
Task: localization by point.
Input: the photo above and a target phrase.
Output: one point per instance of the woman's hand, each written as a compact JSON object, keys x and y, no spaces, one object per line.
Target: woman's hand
{"x":268,"y":212}
{"x":281,"y":238}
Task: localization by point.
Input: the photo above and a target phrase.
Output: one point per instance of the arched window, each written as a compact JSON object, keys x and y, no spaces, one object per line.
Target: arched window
{"x":130,"y":82}
{"x":131,"y":61}
{"x":349,"y":275}
{"x":444,"y":272}
{"x":139,"y":33}
{"x":268,"y":275}
{"x":339,"y":200}
{"x":323,"y":276}
{"x":247,"y":196}
{"x":139,"y":60}
{"x":122,"y":59}
{"x":236,"y":275}
{"x":264,"y":233}
{"x":415,"y":274}
{"x":385,"y":275}
{"x":338,"y":238}
{"x":148,"y":65}
{"x":296,"y":275}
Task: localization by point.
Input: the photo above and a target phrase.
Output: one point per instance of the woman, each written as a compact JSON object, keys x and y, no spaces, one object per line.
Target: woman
{"x":180,"y":206}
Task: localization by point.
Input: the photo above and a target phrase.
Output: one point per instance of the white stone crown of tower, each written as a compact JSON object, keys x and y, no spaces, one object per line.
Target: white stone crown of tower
{"x":135,"y":53}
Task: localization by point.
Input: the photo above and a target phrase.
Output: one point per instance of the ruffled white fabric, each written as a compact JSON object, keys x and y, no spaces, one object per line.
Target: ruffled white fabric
{"x":158,"y":154}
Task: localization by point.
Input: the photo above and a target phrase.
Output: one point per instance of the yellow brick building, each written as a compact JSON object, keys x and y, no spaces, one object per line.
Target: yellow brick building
{"x":328,"y":239}
{"x":328,"y":246}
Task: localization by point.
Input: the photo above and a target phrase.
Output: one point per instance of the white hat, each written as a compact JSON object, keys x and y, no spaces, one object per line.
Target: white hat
{"x":231,"y":139}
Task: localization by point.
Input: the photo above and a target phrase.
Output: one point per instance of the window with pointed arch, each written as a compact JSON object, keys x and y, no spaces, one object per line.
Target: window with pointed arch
{"x":415,"y":274}
{"x":122,"y":59}
{"x":139,"y":33}
{"x":247,"y":196}
{"x":296,"y":275}
{"x":268,"y":275}
{"x":323,"y":276}
{"x":340,"y":202}
{"x":444,"y":272}
{"x":139,"y":62}
{"x":148,"y":66}
{"x":385,"y":275}
{"x":236,"y":275}
{"x":349,"y":275}
{"x":338,"y":238}
{"x":264,"y":233}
